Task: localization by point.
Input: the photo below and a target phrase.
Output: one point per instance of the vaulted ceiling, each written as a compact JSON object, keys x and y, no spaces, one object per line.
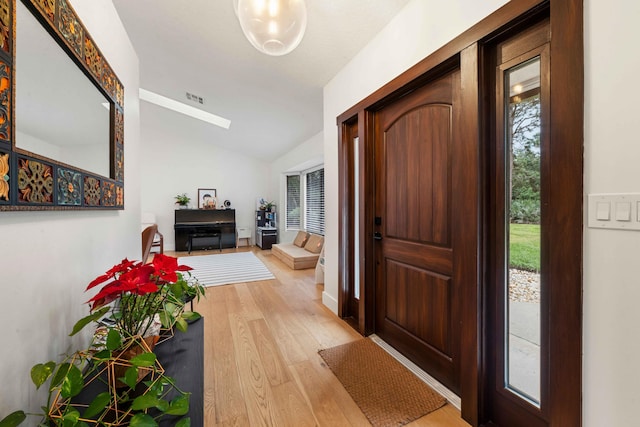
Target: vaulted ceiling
{"x":274,"y":103}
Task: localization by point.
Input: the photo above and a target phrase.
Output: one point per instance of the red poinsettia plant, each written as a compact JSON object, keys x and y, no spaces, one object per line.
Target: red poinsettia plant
{"x":139,"y":292}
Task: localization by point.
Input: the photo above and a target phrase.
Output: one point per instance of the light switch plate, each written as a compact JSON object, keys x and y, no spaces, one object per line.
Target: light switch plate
{"x":603,"y":211}
{"x":614,"y":211}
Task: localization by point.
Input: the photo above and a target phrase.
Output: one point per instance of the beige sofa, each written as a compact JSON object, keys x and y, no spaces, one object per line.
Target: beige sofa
{"x":302,"y":253}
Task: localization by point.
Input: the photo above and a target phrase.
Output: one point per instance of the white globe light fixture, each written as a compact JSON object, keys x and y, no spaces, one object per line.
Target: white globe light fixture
{"x":274,"y":27}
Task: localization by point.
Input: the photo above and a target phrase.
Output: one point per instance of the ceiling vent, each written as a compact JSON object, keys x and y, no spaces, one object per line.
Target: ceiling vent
{"x":195,"y":98}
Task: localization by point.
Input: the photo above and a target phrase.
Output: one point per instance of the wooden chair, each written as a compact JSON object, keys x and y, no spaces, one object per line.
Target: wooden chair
{"x":148,"y":235}
{"x":158,"y":242}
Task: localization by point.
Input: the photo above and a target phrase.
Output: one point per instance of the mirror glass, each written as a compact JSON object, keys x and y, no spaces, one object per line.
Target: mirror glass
{"x":59,"y":112}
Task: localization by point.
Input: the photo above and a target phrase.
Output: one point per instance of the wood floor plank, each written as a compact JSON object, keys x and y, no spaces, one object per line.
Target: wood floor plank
{"x":321,"y":397}
{"x":225,"y":399}
{"x":249,"y":309}
{"x":259,"y":398}
{"x":447,"y":416}
{"x":242,"y":421}
{"x":282,"y":323}
{"x":270,"y":301}
{"x":269,"y":353}
{"x":293,"y":409}
{"x":262,"y":366}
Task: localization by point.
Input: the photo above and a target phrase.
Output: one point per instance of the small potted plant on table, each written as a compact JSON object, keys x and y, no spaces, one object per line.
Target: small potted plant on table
{"x":183,"y":200}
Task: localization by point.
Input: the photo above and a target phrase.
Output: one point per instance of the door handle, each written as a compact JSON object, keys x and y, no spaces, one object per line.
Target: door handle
{"x":377,"y":236}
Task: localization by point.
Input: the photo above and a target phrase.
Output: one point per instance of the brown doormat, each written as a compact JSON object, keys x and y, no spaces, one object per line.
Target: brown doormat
{"x":387,"y":393}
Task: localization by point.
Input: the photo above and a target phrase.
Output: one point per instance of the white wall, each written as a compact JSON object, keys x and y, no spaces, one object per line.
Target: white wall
{"x":179,"y":156}
{"x":611,"y":268}
{"x":48,"y":258}
{"x":419,"y":29}
{"x":308,"y":154}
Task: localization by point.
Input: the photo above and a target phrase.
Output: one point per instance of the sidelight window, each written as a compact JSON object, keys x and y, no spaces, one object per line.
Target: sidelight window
{"x":522,"y":222}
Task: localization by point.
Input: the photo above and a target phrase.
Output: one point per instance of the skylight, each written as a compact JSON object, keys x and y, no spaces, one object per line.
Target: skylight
{"x":179,"y":107}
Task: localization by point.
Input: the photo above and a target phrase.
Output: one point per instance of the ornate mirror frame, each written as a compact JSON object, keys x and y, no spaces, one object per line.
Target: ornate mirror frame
{"x":29,"y":181}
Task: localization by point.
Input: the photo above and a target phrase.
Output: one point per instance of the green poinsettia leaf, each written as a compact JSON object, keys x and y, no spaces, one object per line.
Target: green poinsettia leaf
{"x":82,"y":424}
{"x":185,"y":422}
{"x":174,"y":309}
{"x":97,"y":406}
{"x":170,"y":308}
{"x":41,"y":373}
{"x":145,"y":401}
{"x":73,"y":382}
{"x":80,"y":324}
{"x":114,"y":340}
{"x":166,"y":319}
{"x":61,"y":373}
{"x":13,"y":419}
{"x":142,"y":420}
{"x":144,"y":360}
{"x":177,"y":289}
{"x":181,"y":324}
{"x":179,"y":405}
{"x":191,"y":316}
{"x":130,"y":377}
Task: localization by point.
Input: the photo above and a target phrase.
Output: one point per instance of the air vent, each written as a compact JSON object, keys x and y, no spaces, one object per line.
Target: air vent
{"x":195,"y":98}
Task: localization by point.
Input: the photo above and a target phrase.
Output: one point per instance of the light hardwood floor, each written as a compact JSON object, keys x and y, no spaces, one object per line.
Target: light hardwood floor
{"x":262,"y":366}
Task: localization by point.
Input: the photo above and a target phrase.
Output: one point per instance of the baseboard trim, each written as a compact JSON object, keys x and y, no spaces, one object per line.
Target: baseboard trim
{"x":451,"y":397}
{"x":330,"y":302}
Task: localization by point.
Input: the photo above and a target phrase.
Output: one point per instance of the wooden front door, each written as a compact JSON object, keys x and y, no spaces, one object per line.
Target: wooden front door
{"x":417,"y":212}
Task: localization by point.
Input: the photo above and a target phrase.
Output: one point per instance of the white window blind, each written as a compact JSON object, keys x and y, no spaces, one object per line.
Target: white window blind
{"x":292,"y":218}
{"x":314,"y":209}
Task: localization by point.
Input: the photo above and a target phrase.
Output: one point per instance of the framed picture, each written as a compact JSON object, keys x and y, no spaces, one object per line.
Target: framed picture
{"x":207,"y":198}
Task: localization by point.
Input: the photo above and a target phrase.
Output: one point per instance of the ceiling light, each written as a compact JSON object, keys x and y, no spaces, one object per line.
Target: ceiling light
{"x":188,"y":110}
{"x":274,"y":27}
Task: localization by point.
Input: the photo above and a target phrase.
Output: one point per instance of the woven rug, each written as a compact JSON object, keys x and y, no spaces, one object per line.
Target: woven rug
{"x":387,"y":393}
{"x":224,"y":269}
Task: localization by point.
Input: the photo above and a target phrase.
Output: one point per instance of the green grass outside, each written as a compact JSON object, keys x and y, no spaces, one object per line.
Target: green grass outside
{"x":524,"y":247}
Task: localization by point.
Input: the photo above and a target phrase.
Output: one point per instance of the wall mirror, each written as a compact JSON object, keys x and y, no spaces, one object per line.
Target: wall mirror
{"x":61,"y":112}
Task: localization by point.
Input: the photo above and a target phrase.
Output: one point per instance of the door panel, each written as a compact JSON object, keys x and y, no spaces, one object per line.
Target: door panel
{"x":416,"y":296}
{"x":428,"y":318}
{"x":417,"y":151}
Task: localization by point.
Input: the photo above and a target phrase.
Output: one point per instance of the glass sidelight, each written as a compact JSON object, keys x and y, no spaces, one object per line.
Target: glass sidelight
{"x":522,"y":119}
{"x":534,"y":225}
{"x":356,"y":215}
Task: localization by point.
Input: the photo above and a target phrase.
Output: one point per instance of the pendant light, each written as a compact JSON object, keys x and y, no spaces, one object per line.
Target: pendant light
{"x":274,"y":27}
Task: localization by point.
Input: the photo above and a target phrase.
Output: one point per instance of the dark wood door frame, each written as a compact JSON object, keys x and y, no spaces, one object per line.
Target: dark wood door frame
{"x":566,"y":98}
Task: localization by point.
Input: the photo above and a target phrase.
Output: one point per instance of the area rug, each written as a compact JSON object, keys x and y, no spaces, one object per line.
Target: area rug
{"x":387,"y":393}
{"x":224,"y":269}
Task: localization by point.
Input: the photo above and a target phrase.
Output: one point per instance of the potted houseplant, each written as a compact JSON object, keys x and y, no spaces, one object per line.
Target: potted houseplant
{"x":266,"y":205}
{"x":182,"y":200}
{"x":134,"y":300}
{"x":143,"y":291}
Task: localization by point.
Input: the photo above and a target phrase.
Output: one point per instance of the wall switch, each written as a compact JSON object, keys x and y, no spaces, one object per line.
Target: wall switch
{"x":623,"y":211}
{"x":603,"y":211}
{"x":614,"y":211}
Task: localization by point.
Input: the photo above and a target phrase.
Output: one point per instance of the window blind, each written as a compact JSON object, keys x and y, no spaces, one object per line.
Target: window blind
{"x":292,"y":218}
{"x":314,"y":211}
